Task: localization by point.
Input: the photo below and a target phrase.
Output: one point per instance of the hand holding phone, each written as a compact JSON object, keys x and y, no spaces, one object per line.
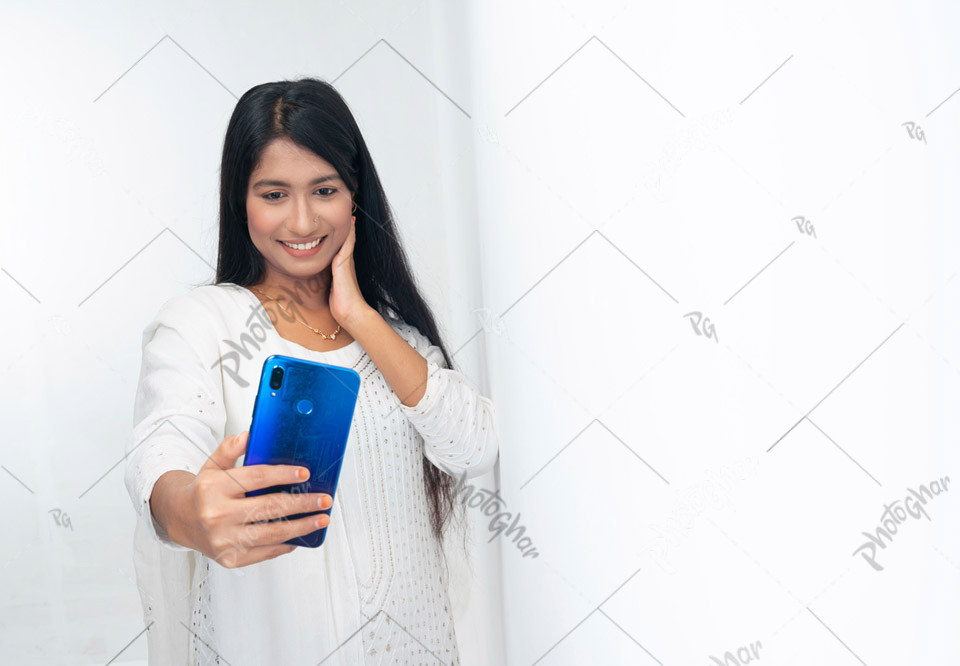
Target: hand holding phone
{"x":302,"y":417}
{"x":211,"y":513}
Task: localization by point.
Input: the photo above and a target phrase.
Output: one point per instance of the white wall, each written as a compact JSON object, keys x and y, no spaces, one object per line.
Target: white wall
{"x":689,"y":494}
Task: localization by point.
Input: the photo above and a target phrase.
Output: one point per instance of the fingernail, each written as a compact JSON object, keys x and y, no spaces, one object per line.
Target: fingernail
{"x":325,"y":502}
{"x":303,"y":473}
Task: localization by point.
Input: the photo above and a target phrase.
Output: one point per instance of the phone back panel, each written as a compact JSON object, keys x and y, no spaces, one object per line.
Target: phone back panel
{"x":305,"y":422}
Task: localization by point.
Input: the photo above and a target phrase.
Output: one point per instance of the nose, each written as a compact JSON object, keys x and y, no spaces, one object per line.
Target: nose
{"x":304,"y":220}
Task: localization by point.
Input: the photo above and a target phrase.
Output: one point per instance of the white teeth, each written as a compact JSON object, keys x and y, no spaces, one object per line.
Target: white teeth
{"x":303,"y":246}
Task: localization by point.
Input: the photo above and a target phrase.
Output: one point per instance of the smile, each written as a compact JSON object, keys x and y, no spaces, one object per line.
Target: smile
{"x":304,"y":246}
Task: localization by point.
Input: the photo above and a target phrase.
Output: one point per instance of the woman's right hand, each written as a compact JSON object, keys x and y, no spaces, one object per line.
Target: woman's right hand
{"x":211,"y":513}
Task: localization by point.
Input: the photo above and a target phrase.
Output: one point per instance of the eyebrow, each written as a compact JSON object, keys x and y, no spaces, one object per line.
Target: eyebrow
{"x":279,"y":183}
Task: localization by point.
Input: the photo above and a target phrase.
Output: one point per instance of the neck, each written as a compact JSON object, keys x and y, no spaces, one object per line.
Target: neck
{"x":309,"y":294}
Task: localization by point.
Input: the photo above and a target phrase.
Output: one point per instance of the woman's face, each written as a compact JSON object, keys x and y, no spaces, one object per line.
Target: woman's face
{"x":296,"y":196}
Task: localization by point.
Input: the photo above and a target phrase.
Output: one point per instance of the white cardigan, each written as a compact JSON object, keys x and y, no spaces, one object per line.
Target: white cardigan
{"x":202,"y":356}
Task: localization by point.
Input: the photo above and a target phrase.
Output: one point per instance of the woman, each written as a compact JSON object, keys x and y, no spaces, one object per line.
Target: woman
{"x":309,"y":266}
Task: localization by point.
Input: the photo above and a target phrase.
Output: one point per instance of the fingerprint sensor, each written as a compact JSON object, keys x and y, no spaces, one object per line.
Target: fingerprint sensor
{"x":304,"y":406}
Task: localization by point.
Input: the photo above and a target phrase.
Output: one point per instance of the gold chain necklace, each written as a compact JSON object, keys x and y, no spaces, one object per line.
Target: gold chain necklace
{"x":332,"y":336}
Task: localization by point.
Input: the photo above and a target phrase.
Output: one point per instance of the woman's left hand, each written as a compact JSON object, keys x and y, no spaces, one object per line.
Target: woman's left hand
{"x":346,"y":300}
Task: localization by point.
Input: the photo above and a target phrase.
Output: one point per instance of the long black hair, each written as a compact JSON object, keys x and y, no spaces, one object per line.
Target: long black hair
{"x":311,"y":113}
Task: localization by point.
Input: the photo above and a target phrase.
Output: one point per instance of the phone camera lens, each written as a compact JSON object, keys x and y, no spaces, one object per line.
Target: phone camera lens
{"x":276,"y":377}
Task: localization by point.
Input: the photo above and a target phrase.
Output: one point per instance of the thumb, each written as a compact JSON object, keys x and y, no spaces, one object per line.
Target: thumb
{"x":226,"y":455}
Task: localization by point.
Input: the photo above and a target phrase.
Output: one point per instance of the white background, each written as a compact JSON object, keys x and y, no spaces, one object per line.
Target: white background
{"x":715,"y":276}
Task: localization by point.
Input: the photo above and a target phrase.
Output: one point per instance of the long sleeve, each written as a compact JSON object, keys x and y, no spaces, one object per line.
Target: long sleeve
{"x":179,"y":415}
{"x":457,"y":424}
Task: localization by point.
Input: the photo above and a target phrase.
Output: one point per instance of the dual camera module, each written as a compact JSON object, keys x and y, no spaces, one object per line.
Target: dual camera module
{"x":276,"y":377}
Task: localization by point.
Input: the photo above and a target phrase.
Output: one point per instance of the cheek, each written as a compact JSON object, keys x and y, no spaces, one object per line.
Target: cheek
{"x":257,"y":227}
{"x":259,"y":221}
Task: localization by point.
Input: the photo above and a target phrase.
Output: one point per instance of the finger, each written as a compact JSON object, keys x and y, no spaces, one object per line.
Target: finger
{"x":279,"y":531}
{"x":279,"y":505}
{"x":256,"y":477}
{"x":227,"y":453}
{"x":348,"y":244}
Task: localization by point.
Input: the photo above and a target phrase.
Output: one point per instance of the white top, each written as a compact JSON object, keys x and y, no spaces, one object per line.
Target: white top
{"x":202,"y":357}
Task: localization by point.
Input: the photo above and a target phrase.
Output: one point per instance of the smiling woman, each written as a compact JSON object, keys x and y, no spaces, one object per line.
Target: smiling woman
{"x":305,"y":225}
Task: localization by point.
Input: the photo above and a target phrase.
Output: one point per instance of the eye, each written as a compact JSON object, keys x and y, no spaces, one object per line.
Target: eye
{"x":268,"y":196}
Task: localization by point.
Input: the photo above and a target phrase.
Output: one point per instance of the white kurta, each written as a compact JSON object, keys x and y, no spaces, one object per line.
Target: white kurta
{"x":378,"y":572}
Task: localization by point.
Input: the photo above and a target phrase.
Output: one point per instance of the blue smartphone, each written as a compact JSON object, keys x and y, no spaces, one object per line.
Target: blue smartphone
{"x":302,"y":416}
